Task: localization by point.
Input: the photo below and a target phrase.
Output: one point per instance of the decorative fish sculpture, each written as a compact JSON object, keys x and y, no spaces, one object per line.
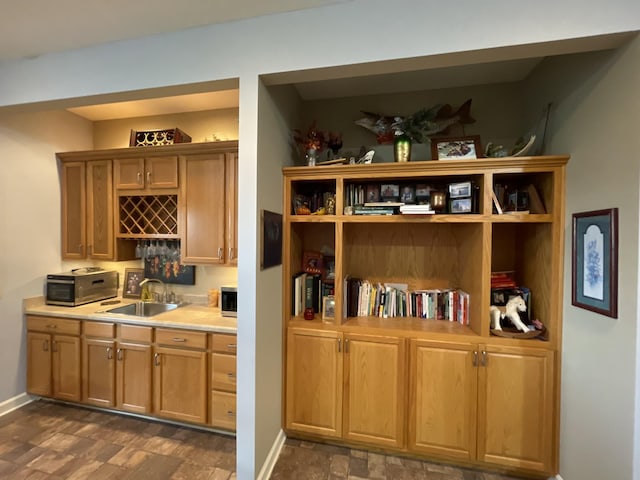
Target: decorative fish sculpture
{"x":420,"y":126}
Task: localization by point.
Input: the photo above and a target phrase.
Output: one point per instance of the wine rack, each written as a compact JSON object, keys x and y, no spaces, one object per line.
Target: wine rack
{"x":148,"y":215}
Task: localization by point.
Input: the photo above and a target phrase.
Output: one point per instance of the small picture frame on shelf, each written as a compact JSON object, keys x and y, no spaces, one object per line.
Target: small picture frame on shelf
{"x":423,"y":193}
{"x":408,"y":194}
{"x":460,"y":190}
{"x":131,"y":286}
{"x":456,"y":148}
{"x":329,"y":270}
{"x":460,"y":205}
{"x":594,"y":261}
{"x":328,"y":309}
{"x":373,"y":193}
{"x":390,"y":192}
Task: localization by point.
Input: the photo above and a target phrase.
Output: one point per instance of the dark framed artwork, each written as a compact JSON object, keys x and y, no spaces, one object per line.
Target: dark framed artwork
{"x":271,"y":251}
{"x":131,"y":285}
{"x":594,"y":261}
{"x":169,"y":270}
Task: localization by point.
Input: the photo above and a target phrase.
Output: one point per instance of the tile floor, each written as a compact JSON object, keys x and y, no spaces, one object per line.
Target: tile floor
{"x":50,"y":441}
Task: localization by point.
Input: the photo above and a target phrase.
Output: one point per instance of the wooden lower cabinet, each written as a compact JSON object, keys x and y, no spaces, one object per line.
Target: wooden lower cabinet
{"x":348,"y":386}
{"x":482,"y":403}
{"x":180,"y":384}
{"x":133,"y":373}
{"x":99,"y":372}
{"x":515,"y":407}
{"x":222,"y":405}
{"x":53,"y":359}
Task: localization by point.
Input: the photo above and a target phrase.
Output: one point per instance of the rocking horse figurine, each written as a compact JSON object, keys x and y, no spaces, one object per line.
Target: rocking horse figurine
{"x":510,"y":311}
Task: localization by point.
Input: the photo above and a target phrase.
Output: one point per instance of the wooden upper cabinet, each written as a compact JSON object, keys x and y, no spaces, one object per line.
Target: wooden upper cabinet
{"x":203,"y":194}
{"x":231,"y":210}
{"x":142,"y":173}
{"x":100,"y":240}
{"x":74,"y":208}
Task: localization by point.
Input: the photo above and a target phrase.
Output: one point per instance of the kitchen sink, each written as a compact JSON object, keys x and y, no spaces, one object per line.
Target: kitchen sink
{"x":144,"y":309}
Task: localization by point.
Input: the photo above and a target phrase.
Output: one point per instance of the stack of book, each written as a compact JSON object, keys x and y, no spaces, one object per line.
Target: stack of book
{"x":364,"y":298}
{"x":377,"y":208}
{"x":416,"y":209}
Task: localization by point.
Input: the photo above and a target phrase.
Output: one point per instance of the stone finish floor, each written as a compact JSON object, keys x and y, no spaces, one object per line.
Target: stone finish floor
{"x":50,"y":441}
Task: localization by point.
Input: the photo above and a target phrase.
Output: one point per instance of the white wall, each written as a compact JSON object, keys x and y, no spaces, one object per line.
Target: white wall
{"x":595,"y":118}
{"x":30,"y":223}
{"x":358,"y":31}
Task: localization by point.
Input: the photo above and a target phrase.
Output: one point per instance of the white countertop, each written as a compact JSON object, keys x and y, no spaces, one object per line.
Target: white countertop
{"x":190,"y":316}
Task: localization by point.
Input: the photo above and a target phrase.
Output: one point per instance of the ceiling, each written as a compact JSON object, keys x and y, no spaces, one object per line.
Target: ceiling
{"x":29,"y":28}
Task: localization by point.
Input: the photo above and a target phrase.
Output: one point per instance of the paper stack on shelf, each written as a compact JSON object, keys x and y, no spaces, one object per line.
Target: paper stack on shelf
{"x":416,"y":209}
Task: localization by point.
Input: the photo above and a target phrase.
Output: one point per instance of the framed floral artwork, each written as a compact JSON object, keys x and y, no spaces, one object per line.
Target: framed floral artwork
{"x":594,"y":262}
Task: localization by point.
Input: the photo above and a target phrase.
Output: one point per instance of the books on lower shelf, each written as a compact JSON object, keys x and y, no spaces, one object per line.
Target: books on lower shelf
{"x":308,"y":291}
{"x":416,"y":209}
{"x":362,"y":298}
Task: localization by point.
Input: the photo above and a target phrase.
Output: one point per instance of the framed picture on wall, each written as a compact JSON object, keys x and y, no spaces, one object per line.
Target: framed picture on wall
{"x":594,"y":261}
{"x":131,"y":285}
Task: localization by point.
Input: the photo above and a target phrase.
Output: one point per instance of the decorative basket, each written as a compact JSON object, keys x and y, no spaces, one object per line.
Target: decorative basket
{"x":149,"y":138}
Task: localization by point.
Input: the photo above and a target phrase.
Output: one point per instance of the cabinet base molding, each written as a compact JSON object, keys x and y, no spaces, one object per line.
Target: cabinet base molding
{"x":152,"y":418}
{"x":15,"y":403}
{"x":403,"y":452}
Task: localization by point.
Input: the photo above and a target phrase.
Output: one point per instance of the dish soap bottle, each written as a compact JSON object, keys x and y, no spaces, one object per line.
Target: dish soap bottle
{"x":146,"y":295}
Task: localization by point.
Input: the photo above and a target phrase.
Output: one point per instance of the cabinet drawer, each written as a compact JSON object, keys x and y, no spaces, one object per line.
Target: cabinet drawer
{"x":181,"y":338}
{"x":223,"y":372}
{"x":224,"y":342}
{"x":53,"y":325}
{"x":223,"y":410}
{"x":135,"y":333}
{"x":99,"y":329}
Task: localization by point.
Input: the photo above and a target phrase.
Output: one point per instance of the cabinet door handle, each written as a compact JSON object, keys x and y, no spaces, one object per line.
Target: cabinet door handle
{"x":109,"y":353}
{"x":231,"y":414}
{"x":346,"y":345}
{"x":219,"y":252}
{"x":339,"y":346}
{"x":483,"y":359}
{"x":52,"y":325}
{"x":232,"y":345}
{"x":156,"y":359}
{"x":80,"y":249}
{"x":139,"y":176}
{"x":45,"y":345}
{"x":54,"y":346}
{"x":149,"y":177}
{"x":119,"y":354}
{"x":475,"y":358}
{"x":231,"y":375}
{"x":178,"y":339}
{"x":230,"y":253}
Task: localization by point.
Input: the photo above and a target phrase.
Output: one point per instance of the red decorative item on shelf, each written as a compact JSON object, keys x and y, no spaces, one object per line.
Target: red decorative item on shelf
{"x":308,"y":313}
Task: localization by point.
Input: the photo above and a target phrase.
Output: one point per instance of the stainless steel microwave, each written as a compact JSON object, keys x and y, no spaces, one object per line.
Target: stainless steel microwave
{"x":80,"y":286}
{"x":229,"y":301}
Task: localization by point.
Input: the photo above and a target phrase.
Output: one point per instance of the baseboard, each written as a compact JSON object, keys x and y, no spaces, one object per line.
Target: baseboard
{"x":14,"y":403}
{"x":272,"y":457}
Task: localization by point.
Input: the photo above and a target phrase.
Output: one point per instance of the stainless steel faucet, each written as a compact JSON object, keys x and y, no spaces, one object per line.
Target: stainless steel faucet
{"x":163,"y":298}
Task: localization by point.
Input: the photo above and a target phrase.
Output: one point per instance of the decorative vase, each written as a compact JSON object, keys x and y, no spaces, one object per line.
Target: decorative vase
{"x":311,"y":157}
{"x":401,"y":147}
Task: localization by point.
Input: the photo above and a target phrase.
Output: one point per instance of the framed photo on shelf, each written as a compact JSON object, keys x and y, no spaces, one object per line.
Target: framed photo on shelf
{"x":373,"y":193}
{"x":329,"y":269}
{"x":312,"y":262}
{"x":408,"y":194}
{"x":328,"y":308}
{"x":460,"y":205}
{"x":390,"y":192}
{"x":594,"y":261}
{"x":131,"y":286}
{"x":460,"y":190}
{"x":455,"y":148}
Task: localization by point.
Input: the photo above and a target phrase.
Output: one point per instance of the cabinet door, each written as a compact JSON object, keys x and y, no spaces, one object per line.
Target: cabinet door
{"x":161,"y":172}
{"x":374,"y":397}
{"x":98,"y":372}
{"x":39,"y":364}
{"x":100,"y":242}
{"x":129,"y":173}
{"x":223,"y":372}
{"x":515,"y":407}
{"x":133,"y":377}
{"x":231,"y":211}
{"x":204,"y":204}
{"x":223,"y":410}
{"x":73,"y":210}
{"x":180,"y":384}
{"x":314,"y":382}
{"x":66,"y":367}
{"x":443,"y":398}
